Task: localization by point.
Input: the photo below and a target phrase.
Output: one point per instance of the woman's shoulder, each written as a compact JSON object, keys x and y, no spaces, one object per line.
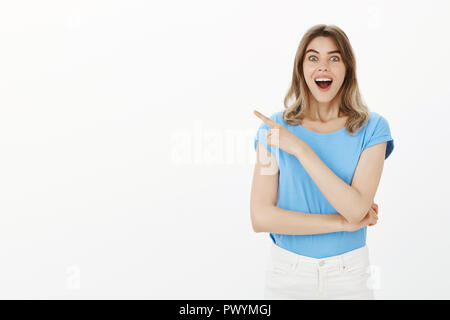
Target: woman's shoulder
{"x":376,"y":116}
{"x":376,"y":119}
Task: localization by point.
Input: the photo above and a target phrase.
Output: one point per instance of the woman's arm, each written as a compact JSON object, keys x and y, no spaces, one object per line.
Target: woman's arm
{"x":277,"y":220}
{"x":352,"y":201}
{"x":267,"y":217}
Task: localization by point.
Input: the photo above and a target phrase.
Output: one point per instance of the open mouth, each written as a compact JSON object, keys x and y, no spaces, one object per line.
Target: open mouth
{"x":323,"y":84}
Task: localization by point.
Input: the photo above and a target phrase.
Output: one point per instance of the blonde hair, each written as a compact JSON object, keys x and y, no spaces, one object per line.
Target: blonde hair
{"x":351,"y":102}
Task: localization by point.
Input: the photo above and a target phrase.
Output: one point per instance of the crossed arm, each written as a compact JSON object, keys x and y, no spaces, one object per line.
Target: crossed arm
{"x":352,"y":202}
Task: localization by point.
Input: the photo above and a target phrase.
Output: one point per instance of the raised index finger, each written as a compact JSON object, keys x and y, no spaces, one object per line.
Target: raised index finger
{"x":265,"y":119}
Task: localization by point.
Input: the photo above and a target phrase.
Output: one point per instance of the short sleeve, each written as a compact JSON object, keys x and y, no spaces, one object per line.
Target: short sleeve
{"x":379,"y":132}
{"x":262,"y":133}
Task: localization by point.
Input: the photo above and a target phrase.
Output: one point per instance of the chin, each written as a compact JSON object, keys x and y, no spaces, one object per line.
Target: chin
{"x":323,"y":99}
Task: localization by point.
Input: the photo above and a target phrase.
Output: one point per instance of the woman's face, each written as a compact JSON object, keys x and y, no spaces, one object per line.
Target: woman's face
{"x":323,"y":61}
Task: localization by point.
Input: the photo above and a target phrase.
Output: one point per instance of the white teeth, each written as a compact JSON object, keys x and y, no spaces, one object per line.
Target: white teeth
{"x":323,"y":79}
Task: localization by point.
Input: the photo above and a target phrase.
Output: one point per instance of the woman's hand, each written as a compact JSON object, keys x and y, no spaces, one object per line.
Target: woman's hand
{"x":279,"y":136}
{"x":370,"y":219}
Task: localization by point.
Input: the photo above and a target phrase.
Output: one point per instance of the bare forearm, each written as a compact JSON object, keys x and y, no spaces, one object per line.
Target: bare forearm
{"x":277,"y":220}
{"x":343,"y":197}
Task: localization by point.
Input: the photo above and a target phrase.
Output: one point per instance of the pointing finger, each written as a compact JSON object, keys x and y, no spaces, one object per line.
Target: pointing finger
{"x":265,"y":119}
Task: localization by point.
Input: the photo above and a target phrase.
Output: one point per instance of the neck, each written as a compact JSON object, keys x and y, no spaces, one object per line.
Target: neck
{"x":324,"y":111}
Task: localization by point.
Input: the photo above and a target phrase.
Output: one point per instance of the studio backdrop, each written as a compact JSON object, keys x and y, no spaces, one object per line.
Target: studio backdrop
{"x":127,"y":143}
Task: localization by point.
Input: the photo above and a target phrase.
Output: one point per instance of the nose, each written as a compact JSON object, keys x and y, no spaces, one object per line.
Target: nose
{"x":323,"y":66}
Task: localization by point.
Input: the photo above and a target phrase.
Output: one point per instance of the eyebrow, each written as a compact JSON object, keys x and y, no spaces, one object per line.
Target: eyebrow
{"x":312,"y":50}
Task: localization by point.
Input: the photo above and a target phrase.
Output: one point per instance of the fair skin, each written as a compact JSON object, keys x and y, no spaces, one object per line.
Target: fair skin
{"x":321,"y":60}
{"x":353,"y":202}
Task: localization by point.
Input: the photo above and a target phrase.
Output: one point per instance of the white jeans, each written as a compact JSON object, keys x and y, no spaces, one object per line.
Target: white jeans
{"x":293,"y":276}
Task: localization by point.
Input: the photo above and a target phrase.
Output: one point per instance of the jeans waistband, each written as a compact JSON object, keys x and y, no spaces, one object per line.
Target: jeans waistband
{"x":340,"y":260}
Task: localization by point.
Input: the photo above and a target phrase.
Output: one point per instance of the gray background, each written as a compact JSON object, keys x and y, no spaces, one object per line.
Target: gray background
{"x":126,"y":142}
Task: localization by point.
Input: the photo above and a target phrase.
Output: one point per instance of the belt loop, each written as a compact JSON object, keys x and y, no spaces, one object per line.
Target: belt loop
{"x":341,"y":264}
{"x":295,"y":263}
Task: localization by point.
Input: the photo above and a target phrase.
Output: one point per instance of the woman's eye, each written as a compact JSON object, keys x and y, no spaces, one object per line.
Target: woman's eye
{"x":337,"y":58}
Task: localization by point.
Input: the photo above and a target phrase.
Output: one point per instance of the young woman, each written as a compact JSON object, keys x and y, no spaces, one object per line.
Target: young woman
{"x":319,"y":163}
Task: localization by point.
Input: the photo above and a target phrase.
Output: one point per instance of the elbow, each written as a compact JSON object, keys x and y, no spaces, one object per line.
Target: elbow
{"x":257,"y":223}
{"x":357,"y":217}
{"x":354,"y":220}
{"x":359,"y":210}
{"x":256,"y":228}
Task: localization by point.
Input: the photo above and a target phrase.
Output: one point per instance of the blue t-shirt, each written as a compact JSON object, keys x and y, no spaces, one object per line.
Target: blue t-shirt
{"x":340,"y":151}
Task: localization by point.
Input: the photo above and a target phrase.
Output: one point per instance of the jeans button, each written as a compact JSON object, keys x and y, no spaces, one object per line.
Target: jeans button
{"x":321,"y":263}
